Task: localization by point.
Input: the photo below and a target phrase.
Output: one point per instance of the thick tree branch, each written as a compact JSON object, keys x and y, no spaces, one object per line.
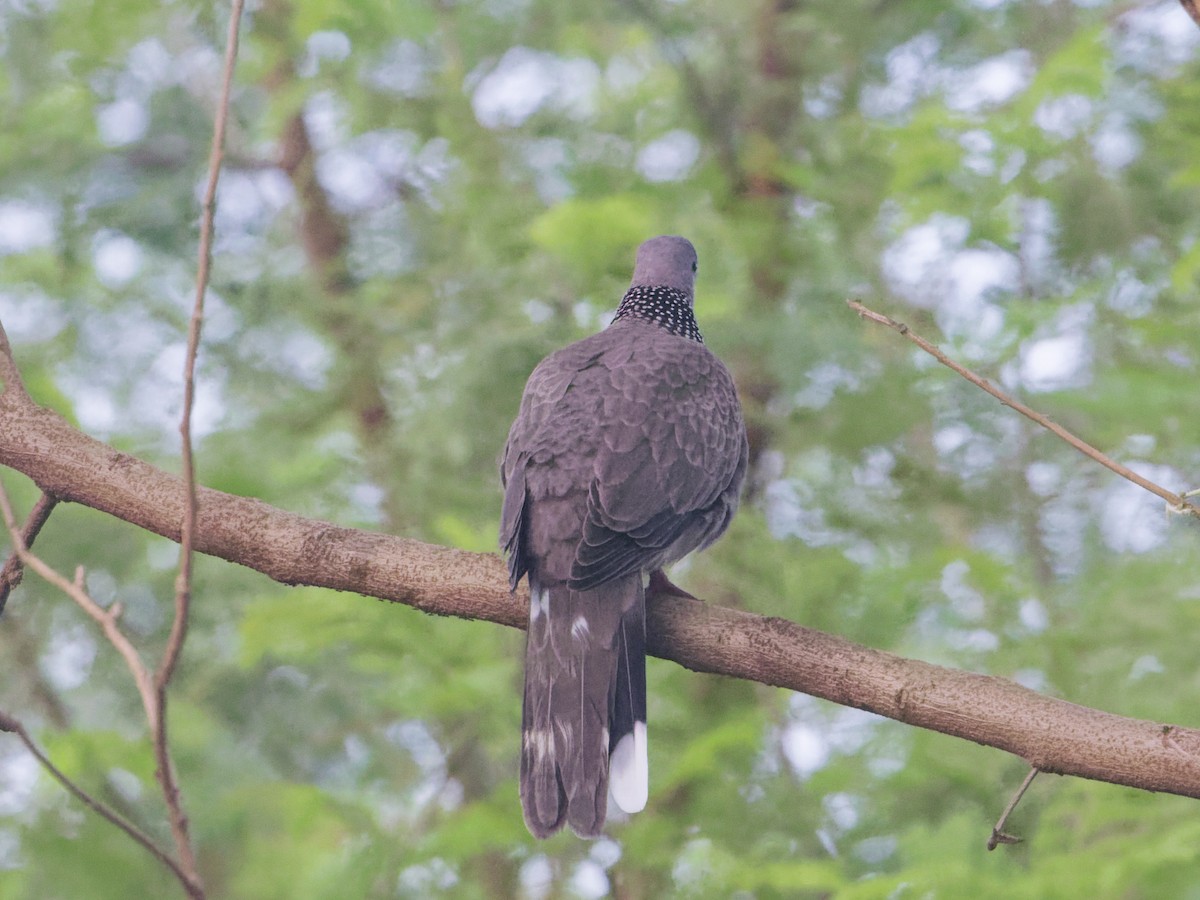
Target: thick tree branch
{"x":1053,"y":735}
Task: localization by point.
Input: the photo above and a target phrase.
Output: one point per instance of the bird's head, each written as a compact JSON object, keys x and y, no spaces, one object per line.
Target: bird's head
{"x":666,"y":261}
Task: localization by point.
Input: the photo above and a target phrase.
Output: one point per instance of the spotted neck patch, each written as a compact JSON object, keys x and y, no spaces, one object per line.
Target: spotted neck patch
{"x":664,"y":306}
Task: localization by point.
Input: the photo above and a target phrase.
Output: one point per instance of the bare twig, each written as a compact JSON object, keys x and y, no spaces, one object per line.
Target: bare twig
{"x":183,"y":583}
{"x":11,"y":724}
{"x":107,"y":619}
{"x":10,"y":575}
{"x":1177,"y":503}
{"x":203,"y":268}
{"x":999,"y":835}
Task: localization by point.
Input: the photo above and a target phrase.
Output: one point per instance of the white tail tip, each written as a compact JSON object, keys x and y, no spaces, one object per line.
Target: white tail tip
{"x":629,"y":770}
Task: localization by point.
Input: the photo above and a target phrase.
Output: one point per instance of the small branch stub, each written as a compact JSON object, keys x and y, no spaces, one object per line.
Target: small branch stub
{"x":999,"y":835}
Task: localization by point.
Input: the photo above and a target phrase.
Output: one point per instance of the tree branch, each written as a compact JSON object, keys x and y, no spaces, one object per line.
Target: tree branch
{"x":164,"y":764}
{"x":10,"y":575}
{"x":185,"y":870}
{"x":1175,"y":502}
{"x":105,"y":618}
{"x":999,"y":835}
{"x":13,"y":725}
{"x":1053,"y":735}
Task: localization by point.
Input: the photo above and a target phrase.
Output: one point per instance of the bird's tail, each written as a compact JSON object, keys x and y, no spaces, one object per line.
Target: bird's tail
{"x":584,"y":711}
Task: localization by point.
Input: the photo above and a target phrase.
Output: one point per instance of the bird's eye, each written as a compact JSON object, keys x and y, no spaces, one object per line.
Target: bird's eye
{"x":695,"y":267}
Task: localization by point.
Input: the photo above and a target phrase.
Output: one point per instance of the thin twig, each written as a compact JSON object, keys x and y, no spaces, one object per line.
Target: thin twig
{"x":10,"y":724}
{"x":999,"y":835}
{"x":204,"y":266}
{"x":107,"y":619}
{"x":183,"y":583}
{"x":1178,"y":503}
{"x":10,"y":575}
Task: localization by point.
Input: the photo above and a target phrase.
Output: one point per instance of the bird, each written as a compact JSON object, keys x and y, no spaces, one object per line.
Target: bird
{"x":628,"y":452}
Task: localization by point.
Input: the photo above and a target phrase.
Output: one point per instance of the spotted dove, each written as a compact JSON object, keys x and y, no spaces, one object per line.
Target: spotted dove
{"x":627,"y":454}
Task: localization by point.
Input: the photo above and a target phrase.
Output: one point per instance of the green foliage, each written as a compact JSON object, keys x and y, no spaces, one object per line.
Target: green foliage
{"x":594,"y":231}
{"x":489,"y":169}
